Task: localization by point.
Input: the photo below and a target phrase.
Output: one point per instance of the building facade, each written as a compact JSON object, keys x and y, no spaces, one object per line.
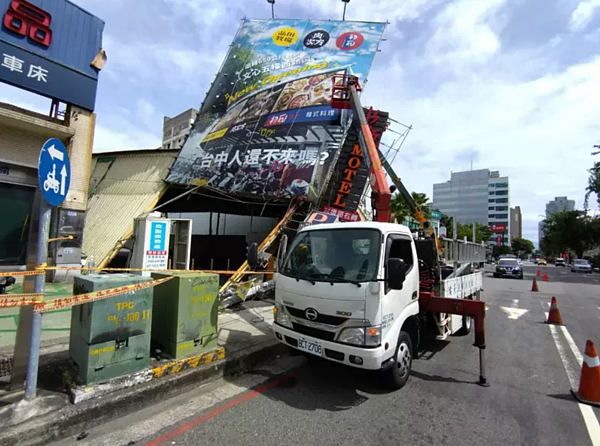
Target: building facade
{"x":176,"y":129}
{"x":60,"y":61}
{"x":477,"y":196}
{"x":516,"y":223}
{"x":559,"y":204}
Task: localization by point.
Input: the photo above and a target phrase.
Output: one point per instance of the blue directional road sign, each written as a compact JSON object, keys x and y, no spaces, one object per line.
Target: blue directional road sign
{"x":54,"y":171}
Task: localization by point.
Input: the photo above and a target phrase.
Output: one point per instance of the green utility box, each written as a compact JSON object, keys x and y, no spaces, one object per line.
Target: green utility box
{"x":185,"y":313}
{"x":110,"y":337}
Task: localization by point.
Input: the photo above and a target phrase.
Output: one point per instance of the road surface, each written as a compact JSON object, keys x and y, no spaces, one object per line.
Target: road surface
{"x":531,"y":367}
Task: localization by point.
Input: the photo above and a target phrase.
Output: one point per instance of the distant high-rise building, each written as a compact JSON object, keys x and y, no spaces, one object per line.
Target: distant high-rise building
{"x":176,"y":129}
{"x":516,"y":223}
{"x":559,"y":204}
{"x":476,"y":196}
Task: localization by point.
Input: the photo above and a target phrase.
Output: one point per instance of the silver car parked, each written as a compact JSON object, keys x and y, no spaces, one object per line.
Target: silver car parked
{"x":581,"y":266}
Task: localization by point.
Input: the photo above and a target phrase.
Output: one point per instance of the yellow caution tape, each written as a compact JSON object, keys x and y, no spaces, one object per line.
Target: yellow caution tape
{"x":12,"y":302}
{"x":67,"y":302}
{"x":37,"y":272}
{"x":187,"y":271}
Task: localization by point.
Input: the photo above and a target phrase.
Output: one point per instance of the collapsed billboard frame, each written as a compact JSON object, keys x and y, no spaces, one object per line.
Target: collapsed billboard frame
{"x":266,"y":126}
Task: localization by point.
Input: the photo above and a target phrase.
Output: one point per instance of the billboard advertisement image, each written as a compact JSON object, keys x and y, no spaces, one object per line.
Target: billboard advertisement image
{"x":266,"y":126}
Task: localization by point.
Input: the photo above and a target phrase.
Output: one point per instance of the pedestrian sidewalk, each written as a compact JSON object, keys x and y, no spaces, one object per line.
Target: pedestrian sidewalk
{"x":55,"y":324}
{"x":243,"y":332}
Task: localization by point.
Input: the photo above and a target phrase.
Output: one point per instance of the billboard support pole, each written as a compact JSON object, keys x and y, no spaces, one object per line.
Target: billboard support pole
{"x":40,"y":279}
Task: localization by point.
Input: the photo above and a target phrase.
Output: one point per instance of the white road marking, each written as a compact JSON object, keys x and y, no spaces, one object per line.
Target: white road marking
{"x":591,"y":422}
{"x":515,"y":302}
{"x":572,"y":344}
{"x":514,"y":313}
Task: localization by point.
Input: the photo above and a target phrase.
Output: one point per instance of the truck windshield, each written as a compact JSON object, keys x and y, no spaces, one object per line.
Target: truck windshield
{"x":334,"y":255}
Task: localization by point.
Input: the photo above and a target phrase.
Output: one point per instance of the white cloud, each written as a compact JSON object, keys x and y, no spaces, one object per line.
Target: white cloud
{"x":583,"y":14}
{"x":109,"y":140}
{"x":464,"y":31}
{"x":145,"y":110}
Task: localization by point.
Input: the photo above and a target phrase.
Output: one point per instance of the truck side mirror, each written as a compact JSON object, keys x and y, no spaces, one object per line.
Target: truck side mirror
{"x":282,"y":251}
{"x":396,"y":273}
{"x":253,"y":255}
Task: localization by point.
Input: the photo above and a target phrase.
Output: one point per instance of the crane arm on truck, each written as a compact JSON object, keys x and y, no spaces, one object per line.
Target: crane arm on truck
{"x":345,"y":96}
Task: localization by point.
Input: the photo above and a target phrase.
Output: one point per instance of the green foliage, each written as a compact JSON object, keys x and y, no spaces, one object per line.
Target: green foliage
{"x":400,"y":209}
{"x":501,"y":250}
{"x":523,"y":245}
{"x":570,"y":231}
{"x":482,"y":232}
{"x":593,"y":182}
{"x":448,"y":223}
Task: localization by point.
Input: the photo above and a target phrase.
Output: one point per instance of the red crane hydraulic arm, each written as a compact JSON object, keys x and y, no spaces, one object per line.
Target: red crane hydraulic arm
{"x":345,"y":95}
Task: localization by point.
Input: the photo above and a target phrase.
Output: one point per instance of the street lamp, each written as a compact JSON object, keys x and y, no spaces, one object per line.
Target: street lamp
{"x":273,"y":7}
{"x":345,"y":4}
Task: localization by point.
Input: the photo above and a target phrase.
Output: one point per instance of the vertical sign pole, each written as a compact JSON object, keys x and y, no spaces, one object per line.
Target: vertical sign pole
{"x":40,"y":279}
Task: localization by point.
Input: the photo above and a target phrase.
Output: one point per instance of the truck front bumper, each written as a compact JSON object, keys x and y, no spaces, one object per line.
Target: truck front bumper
{"x":371,"y":358}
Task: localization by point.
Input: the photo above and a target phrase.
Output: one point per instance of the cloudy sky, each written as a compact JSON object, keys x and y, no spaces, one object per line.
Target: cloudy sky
{"x":509,"y":85}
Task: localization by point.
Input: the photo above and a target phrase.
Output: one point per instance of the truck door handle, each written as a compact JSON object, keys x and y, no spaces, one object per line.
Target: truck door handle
{"x":414,"y":295}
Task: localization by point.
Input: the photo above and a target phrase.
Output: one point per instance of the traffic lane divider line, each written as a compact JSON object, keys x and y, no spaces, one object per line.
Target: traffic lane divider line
{"x":218,"y":411}
{"x":589,"y":418}
{"x":181,"y":365}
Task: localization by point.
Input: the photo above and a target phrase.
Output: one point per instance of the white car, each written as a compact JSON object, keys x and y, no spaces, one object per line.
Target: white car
{"x":581,"y":266}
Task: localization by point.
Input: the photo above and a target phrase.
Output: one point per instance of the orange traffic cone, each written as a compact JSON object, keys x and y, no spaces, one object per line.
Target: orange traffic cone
{"x":534,"y":286}
{"x":589,"y":384}
{"x":554,"y":316}
{"x":539,"y":273}
{"x":545,"y":278}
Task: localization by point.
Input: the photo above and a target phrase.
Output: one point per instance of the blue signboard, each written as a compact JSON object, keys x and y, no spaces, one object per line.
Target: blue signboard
{"x":158,"y":232}
{"x":321,"y":114}
{"x":59,"y":40}
{"x":23,"y":69}
{"x":54,"y":171}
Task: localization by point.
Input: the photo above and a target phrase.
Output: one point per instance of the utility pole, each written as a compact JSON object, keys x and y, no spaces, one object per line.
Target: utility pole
{"x":345,"y":4}
{"x":273,"y":8}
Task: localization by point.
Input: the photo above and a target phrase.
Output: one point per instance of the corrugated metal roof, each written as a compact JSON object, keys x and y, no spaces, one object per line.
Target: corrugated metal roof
{"x":130,"y":186}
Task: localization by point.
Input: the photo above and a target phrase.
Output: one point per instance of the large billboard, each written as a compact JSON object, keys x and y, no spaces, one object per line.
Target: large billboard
{"x":48,"y":46}
{"x":266,"y":126}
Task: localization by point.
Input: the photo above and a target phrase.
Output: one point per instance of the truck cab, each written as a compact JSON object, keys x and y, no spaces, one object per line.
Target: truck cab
{"x":349,"y":292}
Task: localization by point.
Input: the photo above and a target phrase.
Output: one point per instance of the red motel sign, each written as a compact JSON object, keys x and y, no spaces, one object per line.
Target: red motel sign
{"x":29,"y":20}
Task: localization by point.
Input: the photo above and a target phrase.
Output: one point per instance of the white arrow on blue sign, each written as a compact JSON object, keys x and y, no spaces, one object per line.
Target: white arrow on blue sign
{"x":54,"y":171}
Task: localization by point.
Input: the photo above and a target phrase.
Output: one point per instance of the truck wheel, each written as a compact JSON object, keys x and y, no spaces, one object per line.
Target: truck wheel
{"x":399,"y":372}
{"x":495,"y":275}
{"x":467,"y":323}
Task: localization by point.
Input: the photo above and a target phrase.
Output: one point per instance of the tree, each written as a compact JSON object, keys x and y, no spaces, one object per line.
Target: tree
{"x":523,"y":245}
{"x":482,"y":232}
{"x":593,"y":182}
{"x":570,"y":231}
{"x":448,"y":223}
{"x":400,"y":209}
{"x":498,"y":251}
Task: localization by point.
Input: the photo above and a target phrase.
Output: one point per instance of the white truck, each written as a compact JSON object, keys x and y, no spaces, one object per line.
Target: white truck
{"x":363,"y":293}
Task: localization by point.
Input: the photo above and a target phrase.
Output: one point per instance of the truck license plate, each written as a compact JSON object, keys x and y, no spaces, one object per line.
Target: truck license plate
{"x":311,"y":347}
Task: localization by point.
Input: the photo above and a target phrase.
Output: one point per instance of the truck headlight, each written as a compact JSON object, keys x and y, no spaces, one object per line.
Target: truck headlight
{"x":362,"y":336}
{"x":281,"y":317}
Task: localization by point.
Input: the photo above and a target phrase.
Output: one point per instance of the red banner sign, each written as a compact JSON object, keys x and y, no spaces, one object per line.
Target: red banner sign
{"x":498,"y":228}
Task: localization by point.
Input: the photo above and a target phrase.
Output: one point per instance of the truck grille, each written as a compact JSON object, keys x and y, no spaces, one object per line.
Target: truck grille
{"x":322,"y":318}
{"x":314,"y":332}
